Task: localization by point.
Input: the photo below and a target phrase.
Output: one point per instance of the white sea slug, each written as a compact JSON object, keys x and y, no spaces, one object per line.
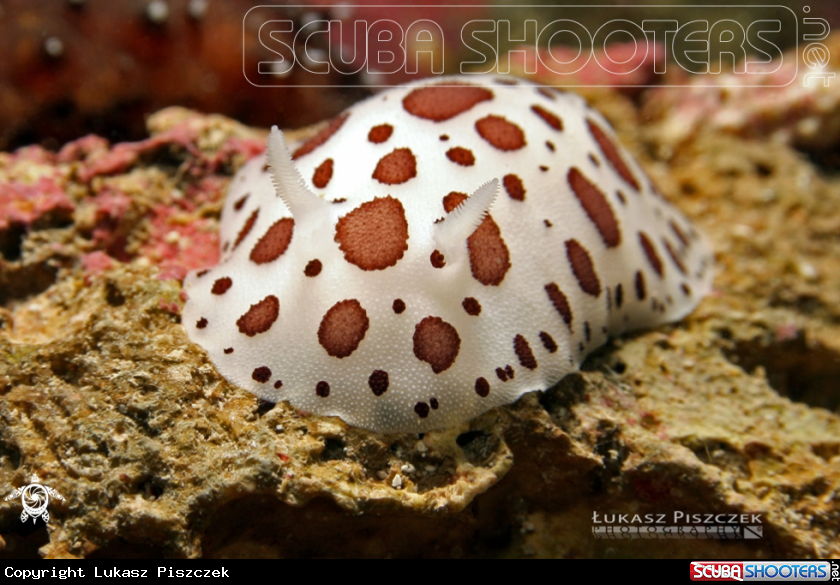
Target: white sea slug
{"x":359,"y":279}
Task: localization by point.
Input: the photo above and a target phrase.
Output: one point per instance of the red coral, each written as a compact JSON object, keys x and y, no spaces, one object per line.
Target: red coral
{"x":82,"y":148}
{"x":111,"y":208}
{"x":124,"y":155}
{"x":96,"y":263}
{"x":177,"y":246}
{"x":44,"y":201}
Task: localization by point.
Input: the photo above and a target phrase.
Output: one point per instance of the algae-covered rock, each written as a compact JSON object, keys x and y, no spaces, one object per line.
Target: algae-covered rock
{"x":102,"y":395}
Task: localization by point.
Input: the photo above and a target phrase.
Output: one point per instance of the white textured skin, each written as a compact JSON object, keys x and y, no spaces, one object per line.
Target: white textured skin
{"x":519,"y":305}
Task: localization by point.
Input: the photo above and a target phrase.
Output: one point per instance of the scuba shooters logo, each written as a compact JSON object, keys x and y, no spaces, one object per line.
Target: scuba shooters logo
{"x":763,"y":571}
{"x":351,"y":40}
{"x":34,"y":498}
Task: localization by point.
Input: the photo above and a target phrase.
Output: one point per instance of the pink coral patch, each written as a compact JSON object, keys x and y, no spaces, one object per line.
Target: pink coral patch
{"x":178,"y":247}
{"x":28,"y":204}
{"x":96,"y":263}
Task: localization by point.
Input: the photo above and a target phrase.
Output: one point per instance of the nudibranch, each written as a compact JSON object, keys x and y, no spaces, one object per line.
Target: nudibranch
{"x":438,"y":250}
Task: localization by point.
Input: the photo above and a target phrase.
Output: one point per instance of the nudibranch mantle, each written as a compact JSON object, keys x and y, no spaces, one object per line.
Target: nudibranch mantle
{"x":438,"y":250}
